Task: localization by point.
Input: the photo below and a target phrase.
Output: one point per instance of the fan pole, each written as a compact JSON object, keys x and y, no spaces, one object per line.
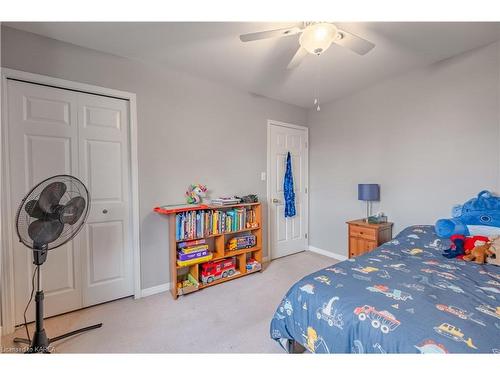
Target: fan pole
{"x":40,"y":340}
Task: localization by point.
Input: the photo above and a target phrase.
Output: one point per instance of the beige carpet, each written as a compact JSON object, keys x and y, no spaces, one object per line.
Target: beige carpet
{"x":232,"y":317}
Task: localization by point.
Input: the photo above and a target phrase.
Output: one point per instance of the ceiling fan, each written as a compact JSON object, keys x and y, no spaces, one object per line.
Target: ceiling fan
{"x":315,"y":38}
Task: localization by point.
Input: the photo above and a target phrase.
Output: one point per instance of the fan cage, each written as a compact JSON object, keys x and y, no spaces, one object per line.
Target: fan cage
{"x":74,"y":188}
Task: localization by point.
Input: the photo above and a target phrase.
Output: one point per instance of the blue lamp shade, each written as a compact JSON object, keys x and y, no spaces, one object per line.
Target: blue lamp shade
{"x":368,"y":192}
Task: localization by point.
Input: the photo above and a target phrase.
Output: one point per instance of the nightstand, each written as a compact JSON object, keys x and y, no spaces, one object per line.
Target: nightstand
{"x":364,"y":237}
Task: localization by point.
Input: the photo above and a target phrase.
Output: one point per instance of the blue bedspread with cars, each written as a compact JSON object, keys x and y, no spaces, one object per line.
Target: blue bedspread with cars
{"x":403,"y":297}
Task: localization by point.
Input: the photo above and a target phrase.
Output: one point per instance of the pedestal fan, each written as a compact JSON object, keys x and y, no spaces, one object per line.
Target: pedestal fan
{"x":49,"y":216}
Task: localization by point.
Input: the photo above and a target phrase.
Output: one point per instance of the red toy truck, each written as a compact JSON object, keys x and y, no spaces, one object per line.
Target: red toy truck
{"x":219,"y":269}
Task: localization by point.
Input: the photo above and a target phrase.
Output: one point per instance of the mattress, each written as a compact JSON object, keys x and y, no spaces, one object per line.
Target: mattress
{"x":403,"y":297}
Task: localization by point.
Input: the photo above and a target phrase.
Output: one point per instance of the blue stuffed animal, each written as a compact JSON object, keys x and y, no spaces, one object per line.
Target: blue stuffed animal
{"x":477,"y":217}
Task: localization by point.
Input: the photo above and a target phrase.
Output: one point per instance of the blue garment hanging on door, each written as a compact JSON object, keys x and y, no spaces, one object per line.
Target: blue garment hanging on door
{"x":288,"y":188}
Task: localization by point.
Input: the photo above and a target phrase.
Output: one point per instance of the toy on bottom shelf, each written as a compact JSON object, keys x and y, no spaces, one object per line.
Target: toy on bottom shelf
{"x":253,"y":265}
{"x":219,"y":269}
{"x":187,"y":285}
{"x":241,"y":242}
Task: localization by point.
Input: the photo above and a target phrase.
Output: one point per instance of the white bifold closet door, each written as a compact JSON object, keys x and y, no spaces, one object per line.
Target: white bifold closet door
{"x":56,"y":131}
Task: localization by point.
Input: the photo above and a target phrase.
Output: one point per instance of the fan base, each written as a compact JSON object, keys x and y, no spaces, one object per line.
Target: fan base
{"x":41,"y":343}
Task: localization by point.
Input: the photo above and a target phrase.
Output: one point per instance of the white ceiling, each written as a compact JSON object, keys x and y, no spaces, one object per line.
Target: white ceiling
{"x":213,"y":50}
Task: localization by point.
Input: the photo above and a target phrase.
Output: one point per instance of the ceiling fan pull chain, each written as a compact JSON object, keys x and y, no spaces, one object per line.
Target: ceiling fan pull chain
{"x":316,"y":86}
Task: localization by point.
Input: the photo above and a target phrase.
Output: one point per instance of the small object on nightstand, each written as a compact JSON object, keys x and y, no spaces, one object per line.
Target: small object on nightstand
{"x":377,"y":219}
{"x":364,"y":237}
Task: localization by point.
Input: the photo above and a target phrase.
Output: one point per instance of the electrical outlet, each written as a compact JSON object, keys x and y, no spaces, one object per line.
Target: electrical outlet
{"x":263,"y":176}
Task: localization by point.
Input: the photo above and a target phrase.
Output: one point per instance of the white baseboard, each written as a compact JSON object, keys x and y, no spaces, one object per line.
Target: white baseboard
{"x":327,"y":253}
{"x":155,"y":290}
{"x":265,"y":259}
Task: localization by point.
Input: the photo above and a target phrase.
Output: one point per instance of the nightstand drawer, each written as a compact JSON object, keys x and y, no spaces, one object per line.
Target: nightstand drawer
{"x":363,"y":232}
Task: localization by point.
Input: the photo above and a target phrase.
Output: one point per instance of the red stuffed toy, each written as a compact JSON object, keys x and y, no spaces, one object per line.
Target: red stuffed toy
{"x":470,"y":243}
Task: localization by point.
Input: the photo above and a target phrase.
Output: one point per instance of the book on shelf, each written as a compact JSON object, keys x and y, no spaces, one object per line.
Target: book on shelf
{"x":184,"y":244}
{"x":193,"y":249}
{"x":202,"y":223}
{"x":222,"y":201}
{"x":199,"y":254}
{"x":189,"y":262}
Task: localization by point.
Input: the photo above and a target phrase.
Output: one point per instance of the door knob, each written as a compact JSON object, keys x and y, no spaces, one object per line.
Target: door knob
{"x":104,"y":211}
{"x":276,"y":200}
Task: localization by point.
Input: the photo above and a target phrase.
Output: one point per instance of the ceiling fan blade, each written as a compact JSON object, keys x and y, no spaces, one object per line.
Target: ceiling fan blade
{"x":270,"y":34}
{"x":51,"y":195}
{"x":33,"y":209}
{"x":45,"y":232}
{"x":297,"y":58}
{"x":353,"y":42}
{"x":72,"y":210}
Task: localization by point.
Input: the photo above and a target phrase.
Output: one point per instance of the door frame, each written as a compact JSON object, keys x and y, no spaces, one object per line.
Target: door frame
{"x":6,"y":225}
{"x":270,"y":124}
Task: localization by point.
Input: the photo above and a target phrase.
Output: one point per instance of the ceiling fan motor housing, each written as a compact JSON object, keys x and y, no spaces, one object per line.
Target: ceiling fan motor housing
{"x":317,"y":37}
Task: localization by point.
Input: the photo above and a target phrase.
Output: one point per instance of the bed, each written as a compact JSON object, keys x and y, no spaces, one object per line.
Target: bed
{"x":403,"y":297}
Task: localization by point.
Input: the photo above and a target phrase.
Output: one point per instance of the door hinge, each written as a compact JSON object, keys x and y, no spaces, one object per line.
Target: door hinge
{"x":305,"y":235}
{"x":306,"y":190}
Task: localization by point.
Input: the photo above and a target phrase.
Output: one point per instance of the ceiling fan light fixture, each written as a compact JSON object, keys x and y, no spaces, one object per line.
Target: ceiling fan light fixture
{"x":317,"y":37}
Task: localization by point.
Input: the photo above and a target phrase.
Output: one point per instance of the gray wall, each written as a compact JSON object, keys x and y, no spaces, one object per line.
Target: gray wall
{"x":429,"y":138}
{"x":187,"y":127}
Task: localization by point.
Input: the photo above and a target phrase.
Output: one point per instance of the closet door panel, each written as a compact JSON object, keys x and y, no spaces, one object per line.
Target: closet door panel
{"x":42,"y":142}
{"x":104,"y":163}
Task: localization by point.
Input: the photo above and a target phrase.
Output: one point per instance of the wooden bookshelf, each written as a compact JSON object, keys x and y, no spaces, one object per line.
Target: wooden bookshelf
{"x":218,"y":247}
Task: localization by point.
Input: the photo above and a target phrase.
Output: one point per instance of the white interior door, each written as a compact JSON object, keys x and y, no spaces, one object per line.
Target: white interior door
{"x":55,"y":131}
{"x":106,"y":238}
{"x":288,"y":235}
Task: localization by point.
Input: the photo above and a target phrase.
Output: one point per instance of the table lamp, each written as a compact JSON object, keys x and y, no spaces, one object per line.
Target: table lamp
{"x":368,"y":193}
